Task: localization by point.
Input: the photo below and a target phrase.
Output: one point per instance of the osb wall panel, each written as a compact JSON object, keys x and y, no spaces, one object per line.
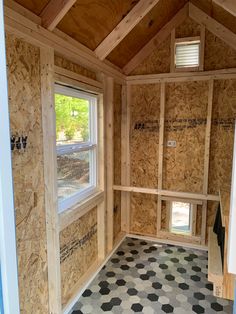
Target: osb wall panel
{"x":78,"y":251}
{"x":221,"y":150}
{"x":188,"y":28}
{"x":157,"y":62}
{"x":144,"y":147}
{"x":143,"y":214}
{"x":117,"y":157}
{"x":23,"y":62}
{"x":74,"y":67}
{"x":218,"y":55}
{"x":185,"y":123}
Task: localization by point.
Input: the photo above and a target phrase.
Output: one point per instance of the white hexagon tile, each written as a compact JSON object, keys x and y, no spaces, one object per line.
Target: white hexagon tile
{"x":143,"y":278}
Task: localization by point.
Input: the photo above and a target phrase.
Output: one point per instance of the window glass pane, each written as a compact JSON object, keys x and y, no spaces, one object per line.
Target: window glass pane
{"x":72,"y":119}
{"x":73,"y":172}
{"x":181,"y":217}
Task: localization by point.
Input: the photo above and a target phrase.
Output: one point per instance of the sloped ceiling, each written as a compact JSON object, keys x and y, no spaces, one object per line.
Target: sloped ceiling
{"x":90,"y":21}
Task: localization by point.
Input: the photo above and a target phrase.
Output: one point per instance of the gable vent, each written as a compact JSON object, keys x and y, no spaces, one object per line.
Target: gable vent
{"x":187,"y":54}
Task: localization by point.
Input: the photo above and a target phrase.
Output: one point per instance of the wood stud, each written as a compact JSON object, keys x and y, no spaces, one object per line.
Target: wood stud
{"x":50,"y":178}
{"x":109,"y":104}
{"x":160,"y":157}
{"x":125,"y":155}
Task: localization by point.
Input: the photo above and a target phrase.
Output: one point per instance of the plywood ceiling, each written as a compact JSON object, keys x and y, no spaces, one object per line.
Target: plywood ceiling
{"x":145,"y":30}
{"x":217,"y":12}
{"x":35,"y":6}
{"x":90,"y":21}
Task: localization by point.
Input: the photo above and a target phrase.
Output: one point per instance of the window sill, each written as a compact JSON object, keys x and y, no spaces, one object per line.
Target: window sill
{"x":79,"y":209}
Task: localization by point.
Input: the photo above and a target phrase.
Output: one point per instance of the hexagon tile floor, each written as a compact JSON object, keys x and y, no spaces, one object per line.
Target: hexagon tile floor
{"x":143,"y":277}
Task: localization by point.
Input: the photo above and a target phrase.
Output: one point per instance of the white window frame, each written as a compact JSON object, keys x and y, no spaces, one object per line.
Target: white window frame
{"x":91,"y":145}
{"x":190,"y":219}
{"x":188,"y":40}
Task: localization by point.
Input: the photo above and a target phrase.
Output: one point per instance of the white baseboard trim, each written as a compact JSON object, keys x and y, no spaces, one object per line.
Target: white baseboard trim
{"x":68,"y":308}
{"x":171,"y":242}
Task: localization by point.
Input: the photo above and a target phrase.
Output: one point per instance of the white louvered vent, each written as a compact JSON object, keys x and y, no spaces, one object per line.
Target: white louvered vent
{"x":187,"y":54}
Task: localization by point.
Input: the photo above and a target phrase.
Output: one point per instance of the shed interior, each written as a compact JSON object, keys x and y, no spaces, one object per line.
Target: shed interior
{"x":164,"y":136}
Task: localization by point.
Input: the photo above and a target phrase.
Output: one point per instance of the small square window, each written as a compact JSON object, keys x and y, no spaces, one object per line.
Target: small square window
{"x":187,"y":54}
{"x":181,"y":218}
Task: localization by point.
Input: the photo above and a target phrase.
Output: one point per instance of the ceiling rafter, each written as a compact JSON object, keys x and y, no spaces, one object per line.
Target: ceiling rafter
{"x":54,"y":12}
{"x":124,"y":27}
{"x":228,"y":5}
{"x":178,"y":19}
{"x":212,"y":25}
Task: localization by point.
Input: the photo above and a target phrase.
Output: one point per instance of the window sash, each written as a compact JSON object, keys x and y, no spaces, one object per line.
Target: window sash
{"x":87,"y":191}
{"x":90,"y":146}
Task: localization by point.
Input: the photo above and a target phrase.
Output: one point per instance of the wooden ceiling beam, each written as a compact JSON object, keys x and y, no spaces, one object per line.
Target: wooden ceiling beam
{"x":212,"y":25}
{"x":54,"y":12}
{"x":228,"y":5}
{"x":124,"y":27}
{"x":179,"y":18}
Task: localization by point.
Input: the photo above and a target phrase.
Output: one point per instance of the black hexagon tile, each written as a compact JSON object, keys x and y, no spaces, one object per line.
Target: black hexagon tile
{"x":144,"y":278}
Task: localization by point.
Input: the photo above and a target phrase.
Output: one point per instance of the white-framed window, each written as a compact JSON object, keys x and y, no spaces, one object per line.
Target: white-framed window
{"x":187,"y":53}
{"x":181,"y":217}
{"x":76,"y":144}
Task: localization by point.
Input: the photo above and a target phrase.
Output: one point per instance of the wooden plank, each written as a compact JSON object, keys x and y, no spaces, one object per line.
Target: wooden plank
{"x":109,"y":106}
{"x":206,"y":159}
{"x":156,"y":40}
{"x":54,"y":12}
{"x":65,"y":80}
{"x":194,"y":218}
{"x":101,"y":208}
{"x":124,"y":27}
{"x":125,"y":158}
{"x":50,"y":178}
{"x":23,"y":11}
{"x":101,"y":229}
{"x":181,"y":77}
{"x":160,"y":153}
{"x":78,"y":77}
{"x":208,"y":136}
{"x":179,"y":237}
{"x":228,"y":5}
{"x":80,"y":209}
{"x":202,"y":47}
{"x":212,"y":25}
{"x":172,"y":51}
{"x":62,"y":44}
{"x":184,"y":200}
{"x":215,"y":272}
{"x":186,"y":195}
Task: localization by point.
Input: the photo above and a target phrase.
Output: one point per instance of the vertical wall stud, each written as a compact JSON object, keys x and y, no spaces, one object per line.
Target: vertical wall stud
{"x":125,"y":158}
{"x":202,"y":47}
{"x":109,"y":105}
{"x":101,"y":228}
{"x":172,"y":51}
{"x":50,"y":178}
{"x":160,"y":156}
{"x":206,"y":159}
